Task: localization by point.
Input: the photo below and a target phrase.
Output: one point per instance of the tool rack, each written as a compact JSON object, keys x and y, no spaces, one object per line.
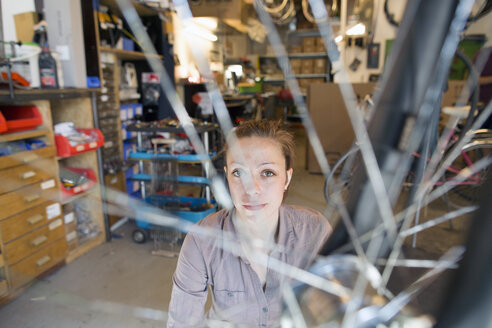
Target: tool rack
{"x":142,"y":154}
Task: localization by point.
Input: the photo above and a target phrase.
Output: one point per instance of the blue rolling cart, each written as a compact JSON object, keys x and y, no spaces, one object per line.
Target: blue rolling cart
{"x":191,"y":209}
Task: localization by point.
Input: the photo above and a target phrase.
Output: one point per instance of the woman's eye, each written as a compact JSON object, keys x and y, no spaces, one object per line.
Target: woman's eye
{"x":236,"y":173}
{"x":268,"y":173}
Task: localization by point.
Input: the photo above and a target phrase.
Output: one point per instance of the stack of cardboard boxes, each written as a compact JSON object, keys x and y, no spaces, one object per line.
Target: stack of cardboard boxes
{"x":308,"y":66}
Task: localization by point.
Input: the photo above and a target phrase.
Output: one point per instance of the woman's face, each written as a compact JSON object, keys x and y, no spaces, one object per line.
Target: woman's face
{"x":257,"y":177}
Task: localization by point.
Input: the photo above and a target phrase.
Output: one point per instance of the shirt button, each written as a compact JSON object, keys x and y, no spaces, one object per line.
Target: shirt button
{"x":263,"y":325}
{"x":229,"y":294}
{"x":265,"y":309}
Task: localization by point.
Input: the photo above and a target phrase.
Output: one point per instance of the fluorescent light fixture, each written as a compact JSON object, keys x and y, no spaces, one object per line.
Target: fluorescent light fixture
{"x":207,"y":22}
{"x":338,"y":39}
{"x":201,"y":32}
{"x":358,"y":29}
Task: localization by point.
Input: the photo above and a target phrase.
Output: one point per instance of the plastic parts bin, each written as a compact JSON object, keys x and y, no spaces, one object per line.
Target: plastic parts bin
{"x":69,"y":192}
{"x":19,"y":118}
{"x":64,"y":149}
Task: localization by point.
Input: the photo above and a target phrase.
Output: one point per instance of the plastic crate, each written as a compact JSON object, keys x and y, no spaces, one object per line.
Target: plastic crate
{"x":67,"y":193}
{"x":161,"y":201}
{"x":256,"y":87}
{"x":64,"y":149}
{"x":19,"y":118}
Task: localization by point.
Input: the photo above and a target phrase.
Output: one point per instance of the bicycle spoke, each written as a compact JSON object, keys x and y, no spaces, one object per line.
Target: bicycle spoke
{"x":293,"y":306}
{"x":409,"y":211}
{"x":450,"y":43}
{"x":293,"y":85}
{"x":383,"y":231}
{"x":439,"y":220}
{"x":412,"y":263}
{"x":447,"y":261}
{"x":458,"y":146}
{"x":218,"y":186}
{"x":356,"y":119}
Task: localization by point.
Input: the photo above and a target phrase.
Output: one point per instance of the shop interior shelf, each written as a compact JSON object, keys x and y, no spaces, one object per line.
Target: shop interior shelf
{"x":191,"y":209}
{"x":19,"y":118}
{"x":165,"y":156}
{"x":67,"y":193}
{"x":35,"y":133}
{"x":64,"y":149}
{"x":190,"y":180}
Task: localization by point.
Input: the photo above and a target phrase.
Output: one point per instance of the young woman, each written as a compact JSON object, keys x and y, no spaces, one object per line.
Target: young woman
{"x":247,"y":282}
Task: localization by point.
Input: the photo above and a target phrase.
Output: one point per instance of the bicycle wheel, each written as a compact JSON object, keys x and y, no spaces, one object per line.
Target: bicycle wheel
{"x":471,"y":190}
{"x":339,"y":181}
{"x":389,"y":138}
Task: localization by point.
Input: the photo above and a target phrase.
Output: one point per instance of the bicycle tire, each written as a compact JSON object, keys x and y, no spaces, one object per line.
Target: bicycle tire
{"x":274,"y":10}
{"x":339,"y":181}
{"x":471,"y":191}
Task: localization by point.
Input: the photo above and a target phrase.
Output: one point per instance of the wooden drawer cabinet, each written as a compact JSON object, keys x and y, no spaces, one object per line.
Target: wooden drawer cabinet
{"x":38,"y":263}
{"x":27,"y":197}
{"x":19,"y":176}
{"x":27,"y":157}
{"x":3,"y":287}
{"x":26,"y":221}
{"x":34,"y":241}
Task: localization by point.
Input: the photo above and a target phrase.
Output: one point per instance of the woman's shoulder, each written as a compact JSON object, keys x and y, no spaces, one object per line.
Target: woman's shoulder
{"x":305,"y":218}
{"x":212,"y":222}
{"x":204,"y":234}
{"x":302,"y":212}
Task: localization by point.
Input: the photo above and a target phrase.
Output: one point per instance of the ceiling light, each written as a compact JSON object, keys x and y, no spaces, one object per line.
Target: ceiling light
{"x":201,"y":32}
{"x":358,"y":29}
{"x":207,"y":22}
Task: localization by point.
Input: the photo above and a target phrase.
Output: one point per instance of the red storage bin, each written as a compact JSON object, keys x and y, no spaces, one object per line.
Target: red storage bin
{"x":19,"y":118}
{"x":64,"y":149}
{"x":67,"y":193}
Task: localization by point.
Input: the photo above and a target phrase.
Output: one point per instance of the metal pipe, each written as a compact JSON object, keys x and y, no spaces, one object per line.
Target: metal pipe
{"x":2,"y":50}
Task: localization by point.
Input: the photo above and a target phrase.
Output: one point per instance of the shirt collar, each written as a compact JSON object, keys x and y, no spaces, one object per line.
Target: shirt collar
{"x":285,"y":228}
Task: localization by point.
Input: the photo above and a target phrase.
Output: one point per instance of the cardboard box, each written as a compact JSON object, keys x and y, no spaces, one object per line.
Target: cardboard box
{"x":225,"y":9}
{"x":295,"y":49}
{"x":317,"y":80}
{"x":296,"y":66}
{"x":452,"y":94}
{"x":308,"y":42}
{"x":330,"y":118}
{"x":309,"y":49}
{"x":303,"y":85}
{"x":24,"y":25}
{"x":307,"y":66}
{"x":319,"y":66}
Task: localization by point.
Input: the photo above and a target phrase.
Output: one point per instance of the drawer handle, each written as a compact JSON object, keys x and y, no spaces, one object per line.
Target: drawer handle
{"x":43,"y":260}
{"x":28,"y":158}
{"x":27,"y":175}
{"x":32,"y":198}
{"x":39,"y":240}
{"x":35,"y":219}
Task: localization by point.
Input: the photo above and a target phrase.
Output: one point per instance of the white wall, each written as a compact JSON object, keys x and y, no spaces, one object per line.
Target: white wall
{"x":9,"y":9}
{"x":385,"y":31}
{"x":187,"y":67}
{"x":483,"y":25}
{"x":382,"y":32}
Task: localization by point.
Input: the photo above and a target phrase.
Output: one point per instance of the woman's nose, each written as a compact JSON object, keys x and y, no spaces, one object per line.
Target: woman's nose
{"x":252,"y":186}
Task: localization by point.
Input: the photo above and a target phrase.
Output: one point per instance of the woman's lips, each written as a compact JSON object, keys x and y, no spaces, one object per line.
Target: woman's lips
{"x":254,"y":207}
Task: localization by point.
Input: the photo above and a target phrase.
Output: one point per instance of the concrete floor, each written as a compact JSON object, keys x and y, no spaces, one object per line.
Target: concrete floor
{"x":120,"y":284}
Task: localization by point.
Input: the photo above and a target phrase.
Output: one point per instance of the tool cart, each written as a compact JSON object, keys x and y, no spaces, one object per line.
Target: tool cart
{"x":158,"y":152}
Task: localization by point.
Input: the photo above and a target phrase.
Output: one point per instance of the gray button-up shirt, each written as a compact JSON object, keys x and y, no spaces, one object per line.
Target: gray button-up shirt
{"x":238,"y":296}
